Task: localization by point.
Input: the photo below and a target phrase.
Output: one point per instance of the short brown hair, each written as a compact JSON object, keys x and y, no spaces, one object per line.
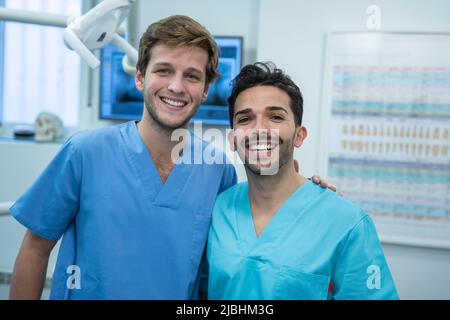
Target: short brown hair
{"x":179,"y":31}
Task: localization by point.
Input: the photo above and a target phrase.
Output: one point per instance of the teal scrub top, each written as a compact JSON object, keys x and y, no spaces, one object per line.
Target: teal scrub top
{"x":125,"y":233}
{"x":317,"y":246}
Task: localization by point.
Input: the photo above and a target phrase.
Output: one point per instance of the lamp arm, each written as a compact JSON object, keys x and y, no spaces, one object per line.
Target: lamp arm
{"x":33,"y":17}
{"x":130,"y":51}
{"x":96,"y":13}
{"x":78,"y":46}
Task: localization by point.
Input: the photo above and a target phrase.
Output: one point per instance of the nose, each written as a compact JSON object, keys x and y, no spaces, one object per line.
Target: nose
{"x":176,"y":84}
{"x":261,"y":123}
{"x":263,"y":128}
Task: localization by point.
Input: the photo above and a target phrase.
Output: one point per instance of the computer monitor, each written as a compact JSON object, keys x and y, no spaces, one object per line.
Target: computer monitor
{"x":120,"y":100}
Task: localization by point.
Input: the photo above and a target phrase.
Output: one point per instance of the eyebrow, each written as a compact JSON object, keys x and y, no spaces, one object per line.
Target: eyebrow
{"x":245,"y":111}
{"x":166,"y":64}
{"x":195,"y":70}
{"x":269,"y":108}
{"x":162,"y":64}
{"x":276,"y":108}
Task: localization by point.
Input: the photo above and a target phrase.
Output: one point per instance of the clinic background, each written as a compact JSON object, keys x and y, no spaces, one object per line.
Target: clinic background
{"x":290,"y":33}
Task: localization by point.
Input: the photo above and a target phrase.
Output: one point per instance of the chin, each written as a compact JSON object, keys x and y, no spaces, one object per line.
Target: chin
{"x":176,"y":124}
{"x":263,"y":170}
{"x":167,"y":121}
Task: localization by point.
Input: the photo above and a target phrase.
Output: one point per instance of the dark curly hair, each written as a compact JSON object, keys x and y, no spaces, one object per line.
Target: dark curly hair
{"x":266,"y":74}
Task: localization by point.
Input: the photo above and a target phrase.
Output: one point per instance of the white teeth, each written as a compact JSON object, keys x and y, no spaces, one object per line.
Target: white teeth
{"x":173,"y":102}
{"x":261,"y":147}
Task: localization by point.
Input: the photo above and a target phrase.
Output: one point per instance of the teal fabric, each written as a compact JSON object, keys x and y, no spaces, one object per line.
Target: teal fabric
{"x":317,"y":246}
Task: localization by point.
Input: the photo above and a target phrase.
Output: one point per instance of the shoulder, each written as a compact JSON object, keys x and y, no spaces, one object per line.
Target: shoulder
{"x":337,"y":210}
{"x":234,"y":192}
{"x":231,"y":196}
{"x":227,"y":202}
{"x":90,"y":140}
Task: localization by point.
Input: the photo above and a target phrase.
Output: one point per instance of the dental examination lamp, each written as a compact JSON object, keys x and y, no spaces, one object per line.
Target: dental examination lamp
{"x":93,"y":30}
{"x":97,"y":28}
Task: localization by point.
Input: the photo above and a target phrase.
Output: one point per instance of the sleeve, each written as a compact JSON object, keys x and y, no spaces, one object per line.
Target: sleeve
{"x":361,"y":271}
{"x":229,"y":178}
{"x":52,"y":202}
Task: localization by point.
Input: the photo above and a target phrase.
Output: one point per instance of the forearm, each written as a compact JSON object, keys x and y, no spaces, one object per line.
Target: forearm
{"x":29,"y":276}
{"x":31,"y":267}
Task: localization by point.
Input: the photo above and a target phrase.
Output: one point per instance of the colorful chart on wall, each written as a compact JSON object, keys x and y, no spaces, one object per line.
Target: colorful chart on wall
{"x":385,"y":130}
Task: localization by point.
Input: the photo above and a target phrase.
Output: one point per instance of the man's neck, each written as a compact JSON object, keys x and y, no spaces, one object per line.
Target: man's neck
{"x":272,"y":191}
{"x":159,"y":144}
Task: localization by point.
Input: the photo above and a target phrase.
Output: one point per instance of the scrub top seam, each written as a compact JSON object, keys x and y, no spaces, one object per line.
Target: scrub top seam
{"x":349,"y":237}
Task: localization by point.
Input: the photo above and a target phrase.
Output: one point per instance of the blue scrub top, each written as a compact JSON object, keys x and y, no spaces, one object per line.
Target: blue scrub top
{"x":129,"y":235}
{"x":317,"y":246}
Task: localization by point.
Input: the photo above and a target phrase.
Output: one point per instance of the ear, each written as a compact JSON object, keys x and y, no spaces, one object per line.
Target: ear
{"x":300,"y":136}
{"x":139,"y":80}
{"x":232,"y":140}
{"x":205,"y":93}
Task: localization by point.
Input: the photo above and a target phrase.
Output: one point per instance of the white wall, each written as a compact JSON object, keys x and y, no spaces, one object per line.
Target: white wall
{"x":20,"y":165}
{"x":291,"y":34}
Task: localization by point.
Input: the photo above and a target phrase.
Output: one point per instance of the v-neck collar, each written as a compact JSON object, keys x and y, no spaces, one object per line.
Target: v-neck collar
{"x":161,"y":194}
{"x":278,"y":224}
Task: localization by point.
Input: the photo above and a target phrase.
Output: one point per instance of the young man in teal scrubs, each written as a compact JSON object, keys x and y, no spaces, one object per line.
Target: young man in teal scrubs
{"x":279,"y":236}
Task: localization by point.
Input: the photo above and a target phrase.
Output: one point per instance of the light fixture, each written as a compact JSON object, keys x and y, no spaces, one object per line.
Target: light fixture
{"x":97,"y":28}
{"x":93,"y":30}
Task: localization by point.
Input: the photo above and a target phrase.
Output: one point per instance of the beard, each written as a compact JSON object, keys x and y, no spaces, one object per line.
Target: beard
{"x":286,"y":154}
{"x":165,"y":125}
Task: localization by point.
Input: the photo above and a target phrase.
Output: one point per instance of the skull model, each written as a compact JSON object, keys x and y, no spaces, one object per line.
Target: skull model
{"x":48,"y":127}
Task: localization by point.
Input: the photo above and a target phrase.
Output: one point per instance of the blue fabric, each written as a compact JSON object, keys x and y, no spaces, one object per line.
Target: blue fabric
{"x":132,"y":236}
{"x":316,"y":238}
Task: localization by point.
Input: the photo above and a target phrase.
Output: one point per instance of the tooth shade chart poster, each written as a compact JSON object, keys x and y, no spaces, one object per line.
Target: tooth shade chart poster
{"x":385,"y":130}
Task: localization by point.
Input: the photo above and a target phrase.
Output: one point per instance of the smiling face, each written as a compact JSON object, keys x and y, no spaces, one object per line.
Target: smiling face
{"x":265,"y":132}
{"x":174,"y":84}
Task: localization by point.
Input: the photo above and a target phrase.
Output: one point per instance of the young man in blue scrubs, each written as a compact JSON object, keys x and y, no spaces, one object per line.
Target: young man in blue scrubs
{"x":134,"y":220}
{"x":279,"y":236}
